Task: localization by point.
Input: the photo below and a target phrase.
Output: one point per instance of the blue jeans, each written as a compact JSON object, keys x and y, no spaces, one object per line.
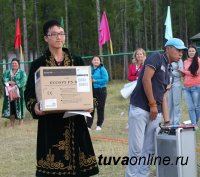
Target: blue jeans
{"x":192,"y":97}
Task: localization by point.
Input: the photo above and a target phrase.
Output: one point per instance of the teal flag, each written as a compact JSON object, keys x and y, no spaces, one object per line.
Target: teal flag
{"x":168,"y":24}
{"x":62,"y":22}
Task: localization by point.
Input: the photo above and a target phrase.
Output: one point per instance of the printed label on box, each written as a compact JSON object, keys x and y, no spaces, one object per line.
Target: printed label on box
{"x":50,"y":103}
{"x":82,"y":80}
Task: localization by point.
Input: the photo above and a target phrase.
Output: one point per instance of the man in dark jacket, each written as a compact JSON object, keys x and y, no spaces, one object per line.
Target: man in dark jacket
{"x":64,"y":146}
{"x":148,"y":105}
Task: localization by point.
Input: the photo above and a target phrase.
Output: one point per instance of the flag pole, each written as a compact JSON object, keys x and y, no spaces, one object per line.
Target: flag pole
{"x":21,"y":54}
{"x":111,"y":47}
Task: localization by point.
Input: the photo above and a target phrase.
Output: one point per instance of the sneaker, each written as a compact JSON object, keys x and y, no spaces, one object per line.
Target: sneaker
{"x":98,"y":128}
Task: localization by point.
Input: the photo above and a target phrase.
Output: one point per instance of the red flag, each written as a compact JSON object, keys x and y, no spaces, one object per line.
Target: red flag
{"x":17,"y":35}
{"x":104,"y":30}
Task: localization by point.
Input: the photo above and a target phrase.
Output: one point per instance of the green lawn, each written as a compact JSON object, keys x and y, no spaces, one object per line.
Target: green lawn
{"x":18,"y":145}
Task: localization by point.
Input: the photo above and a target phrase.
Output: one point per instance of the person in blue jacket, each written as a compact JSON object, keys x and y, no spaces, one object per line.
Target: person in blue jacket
{"x":99,"y":80}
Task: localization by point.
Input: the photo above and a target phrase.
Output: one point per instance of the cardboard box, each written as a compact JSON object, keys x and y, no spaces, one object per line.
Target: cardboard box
{"x":64,"y":88}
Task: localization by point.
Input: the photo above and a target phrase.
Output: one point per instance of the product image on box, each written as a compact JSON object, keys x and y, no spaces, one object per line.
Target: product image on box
{"x":64,"y":88}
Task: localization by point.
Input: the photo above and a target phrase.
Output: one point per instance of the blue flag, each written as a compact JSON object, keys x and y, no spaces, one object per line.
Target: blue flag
{"x":168,"y":24}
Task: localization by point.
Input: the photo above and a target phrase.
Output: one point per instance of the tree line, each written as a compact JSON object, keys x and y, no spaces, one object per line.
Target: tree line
{"x":133,"y":24}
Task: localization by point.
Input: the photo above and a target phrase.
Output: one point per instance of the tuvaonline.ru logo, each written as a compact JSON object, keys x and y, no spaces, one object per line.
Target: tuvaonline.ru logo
{"x":150,"y":160}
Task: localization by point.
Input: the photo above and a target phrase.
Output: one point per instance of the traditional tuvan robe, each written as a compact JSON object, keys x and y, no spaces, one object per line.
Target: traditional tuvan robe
{"x":64,"y":147}
{"x":19,"y":105}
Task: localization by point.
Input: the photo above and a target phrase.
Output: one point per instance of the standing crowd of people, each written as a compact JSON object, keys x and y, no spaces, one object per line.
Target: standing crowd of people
{"x":64,"y":146}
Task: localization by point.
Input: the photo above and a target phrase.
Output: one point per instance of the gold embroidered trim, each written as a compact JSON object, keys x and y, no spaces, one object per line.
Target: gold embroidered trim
{"x":52,"y":62}
{"x":63,"y":145}
{"x":55,"y":173}
{"x":67,"y":61}
{"x":50,"y":164}
{"x":73,"y":143}
{"x":86,"y":161}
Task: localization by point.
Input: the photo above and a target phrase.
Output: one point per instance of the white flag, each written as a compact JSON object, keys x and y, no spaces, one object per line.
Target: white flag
{"x":168,"y":24}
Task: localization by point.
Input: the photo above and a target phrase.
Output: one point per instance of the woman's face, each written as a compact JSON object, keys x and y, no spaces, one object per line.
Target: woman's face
{"x":15,"y":65}
{"x":139,"y":55}
{"x":191,"y":52}
{"x":96,"y":61}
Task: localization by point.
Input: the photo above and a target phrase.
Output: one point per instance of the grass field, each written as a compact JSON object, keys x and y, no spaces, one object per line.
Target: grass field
{"x":18,"y":145}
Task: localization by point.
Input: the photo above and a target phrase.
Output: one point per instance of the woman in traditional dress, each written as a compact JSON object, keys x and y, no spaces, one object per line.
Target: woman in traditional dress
{"x":14,"y":109}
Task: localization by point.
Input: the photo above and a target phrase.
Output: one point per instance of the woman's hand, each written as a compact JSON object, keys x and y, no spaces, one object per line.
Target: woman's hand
{"x":37,"y":110}
{"x":12,"y":83}
{"x":181,"y":71}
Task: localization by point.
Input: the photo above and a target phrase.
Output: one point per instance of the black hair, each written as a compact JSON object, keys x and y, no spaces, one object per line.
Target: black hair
{"x":195,"y":64}
{"x":97,"y":57}
{"x":15,"y":59}
{"x":49,"y":24}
